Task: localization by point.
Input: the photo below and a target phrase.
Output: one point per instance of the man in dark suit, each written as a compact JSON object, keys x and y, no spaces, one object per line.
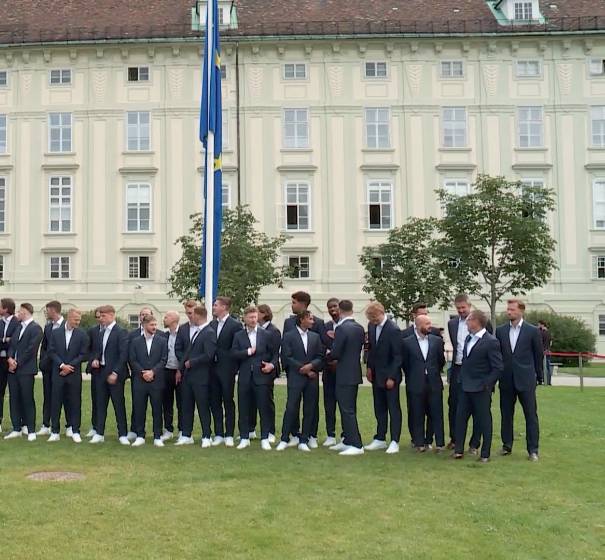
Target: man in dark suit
{"x":109,"y":372}
{"x":384,"y":372}
{"x":346,"y":350}
{"x":93,"y":336}
{"x":22,"y":368}
{"x":328,"y":377}
{"x":67,"y":350}
{"x":254,"y":351}
{"x":481,"y":369}
{"x":423,"y":361}
{"x":172,"y":379}
{"x":419,"y":309}
{"x":523,"y":362}
{"x":546,"y":346}
{"x":184,"y":335}
{"x":9,"y":325}
{"x":147,"y":356}
{"x":223,"y":373}
{"x":302,"y":355}
{"x":54,"y":321}
{"x":195,"y":368}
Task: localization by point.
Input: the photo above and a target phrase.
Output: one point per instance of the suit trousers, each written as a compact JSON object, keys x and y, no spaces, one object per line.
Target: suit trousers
{"x":142,"y":393}
{"x":254,"y":411}
{"x":22,"y":402}
{"x":452,"y":403}
{"x":262,"y":395}
{"x":66,"y":393}
{"x":195,"y":393}
{"x":329,"y":390}
{"x":3,"y":383}
{"x":427,"y":407}
{"x":93,"y":403}
{"x":479,"y":406}
{"x":104,"y":392}
{"x":346,"y":396}
{"x":171,"y":392}
{"x":222,"y":403}
{"x":47,"y":389}
{"x":508,"y":400}
{"x":309,"y":392}
{"x":387,"y":404}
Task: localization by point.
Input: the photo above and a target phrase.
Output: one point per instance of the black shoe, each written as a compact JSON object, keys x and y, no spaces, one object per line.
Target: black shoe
{"x":473,"y":451}
{"x":505,"y":451}
{"x":483,"y":460}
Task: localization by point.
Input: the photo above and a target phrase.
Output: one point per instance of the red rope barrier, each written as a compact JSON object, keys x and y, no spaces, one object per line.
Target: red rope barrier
{"x":576,"y":354}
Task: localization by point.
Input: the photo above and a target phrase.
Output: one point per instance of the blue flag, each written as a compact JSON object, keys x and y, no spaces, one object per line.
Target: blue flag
{"x":211,"y":125}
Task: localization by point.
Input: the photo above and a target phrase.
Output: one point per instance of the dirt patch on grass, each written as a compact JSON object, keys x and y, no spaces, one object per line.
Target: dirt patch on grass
{"x":56,"y":476}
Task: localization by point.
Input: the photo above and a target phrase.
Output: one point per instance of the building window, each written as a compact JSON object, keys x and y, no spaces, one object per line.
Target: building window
{"x":60,"y":268}
{"x":138,"y":73}
{"x":298,"y":267}
{"x":60,"y":132}
{"x":3,"y":135}
{"x":138,"y":268}
{"x":380,"y":204}
{"x":138,"y":131}
{"x":601,"y":325}
{"x":60,"y":204}
{"x":376,"y":69}
{"x":452,"y":69}
{"x":3,"y":78}
{"x":523,"y":11}
{"x":60,"y":77}
{"x":598,"y":267}
{"x":295,"y":71}
{"x":138,"y":207}
{"x":596,"y":66}
{"x":456,"y":187}
{"x":454,"y":127}
{"x":134,"y":321}
{"x":598,"y":203}
{"x":223,"y":72}
{"x":1,"y":267}
{"x":297,"y":207}
{"x":597,"y":120}
{"x":531,"y":127}
{"x":377,"y":267}
{"x":529,"y":187}
{"x":528,"y":68}
{"x":226,"y":197}
{"x":296,"y":128}
{"x":377,"y":128}
{"x":2,"y":204}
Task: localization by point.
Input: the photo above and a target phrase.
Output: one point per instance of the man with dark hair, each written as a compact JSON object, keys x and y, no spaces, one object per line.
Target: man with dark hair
{"x":329,"y":373}
{"x":546,"y":346}
{"x":93,"y":335}
{"x":54,"y":321}
{"x":22,"y":368}
{"x":9,"y":325}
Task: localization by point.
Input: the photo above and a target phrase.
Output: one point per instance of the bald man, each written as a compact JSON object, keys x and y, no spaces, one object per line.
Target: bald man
{"x":172,"y":376}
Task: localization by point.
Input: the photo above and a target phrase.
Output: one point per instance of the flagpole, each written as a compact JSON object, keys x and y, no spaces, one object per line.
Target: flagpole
{"x":209,"y":199}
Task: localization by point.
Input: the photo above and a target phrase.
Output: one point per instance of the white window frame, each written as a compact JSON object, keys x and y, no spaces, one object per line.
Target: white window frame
{"x":597,"y":126}
{"x":226,"y":196}
{"x":4,"y":73}
{"x":524,"y":127}
{"x":60,"y":77}
{"x":380,"y":186}
{"x":376,"y":65}
{"x":451,"y":124}
{"x":139,"y":186}
{"x":598,"y":261}
{"x":598,"y":203}
{"x":297,"y":187}
{"x":58,"y":211}
{"x":300,"y":267}
{"x":373,"y":128}
{"x":296,"y":74}
{"x":3,"y":133}
{"x":139,"y":67}
{"x":296,"y":142}
{"x":2,"y":268}
{"x":601,"y":324}
{"x":524,"y":8}
{"x":133,"y":263}
{"x":224,"y":74}
{"x":65,"y":128}
{"x":455,"y":186}
{"x":522,"y":67}
{"x":138,"y":129}
{"x":596,"y":67}
{"x":59,"y":265}
{"x":446,"y":69}
{"x":3,"y":202}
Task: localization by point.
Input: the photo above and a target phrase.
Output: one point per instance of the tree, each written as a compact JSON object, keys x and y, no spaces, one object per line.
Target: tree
{"x":497,"y":241}
{"x":248,"y":260}
{"x":405,"y":269}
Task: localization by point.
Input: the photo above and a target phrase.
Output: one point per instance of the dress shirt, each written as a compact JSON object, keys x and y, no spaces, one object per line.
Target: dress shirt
{"x":304,"y":337}
{"x":513,"y":334}
{"x":460,"y":340}
{"x":172,"y":362}
{"x":380,"y":327}
{"x":106,"y":333}
{"x":220,"y":324}
{"x":473,"y":340}
{"x":423,"y":342}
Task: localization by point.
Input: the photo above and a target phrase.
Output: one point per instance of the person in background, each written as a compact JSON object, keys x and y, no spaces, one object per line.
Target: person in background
{"x":329,"y":373}
{"x":547,"y":346}
{"x":9,"y":325}
{"x":172,"y":379}
{"x":93,"y":335}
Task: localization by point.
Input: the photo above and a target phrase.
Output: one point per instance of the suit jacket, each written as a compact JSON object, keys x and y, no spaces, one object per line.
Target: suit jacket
{"x":384,"y":356}
{"x":318,"y":325}
{"x":201,"y":353}
{"x":452,"y":329}
{"x":139,"y":359}
{"x":417,"y":369}
{"x":483,"y":366}
{"x":182,"y":341}
{"x":7,"y":331}
{"x":116,"y":352}
{"x":523,"y":366}
{"x":249,"y":367}
{"x":348,"y":343}
{"x":276,"y":338}
{"x":409,"y":331}
{"x":224,"y":362}
{"x":93,"y":335}
{"x":294,"y":355}
{"x":46,"y":364}
{"x":26,"y":349}
{"x":74,"y":355}
{"x":328,"y":342}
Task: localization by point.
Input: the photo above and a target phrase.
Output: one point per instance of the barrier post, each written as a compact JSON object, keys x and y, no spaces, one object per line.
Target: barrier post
{"x":581,"y":372}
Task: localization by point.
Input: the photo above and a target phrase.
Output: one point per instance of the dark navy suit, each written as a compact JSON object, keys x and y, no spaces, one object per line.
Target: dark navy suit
{"x":328,"y":379}
{"x":6,"y":333}
{"x":46,"y":367}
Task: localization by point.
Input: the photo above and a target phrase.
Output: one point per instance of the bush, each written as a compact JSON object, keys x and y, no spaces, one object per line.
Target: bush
{"x":568,"y":333}
{"x":88,"y":320}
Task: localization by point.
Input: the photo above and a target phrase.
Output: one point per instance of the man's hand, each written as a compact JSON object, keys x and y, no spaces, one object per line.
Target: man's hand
{"x":306,"y":369}
{"x":252,"y":351}
{"x":95,"y":364}
{"x":312,"y":375}
{"x":370,"y":375}
{"x":267,"y":367}
{"x":188,"y":364}
{"x":12,"y":365}
{"x":330,"y":334}
{"x":390,"y":384}
{"x":112,"y":378}
{"x":148,"y":375}
{"x":178,"y":377}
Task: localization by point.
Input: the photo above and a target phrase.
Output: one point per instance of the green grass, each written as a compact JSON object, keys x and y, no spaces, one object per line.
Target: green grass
{"x":589,"y":370}
{"x":228,"y":504}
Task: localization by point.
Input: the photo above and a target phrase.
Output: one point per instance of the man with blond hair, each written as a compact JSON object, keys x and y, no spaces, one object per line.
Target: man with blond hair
{"x":172,"y":379}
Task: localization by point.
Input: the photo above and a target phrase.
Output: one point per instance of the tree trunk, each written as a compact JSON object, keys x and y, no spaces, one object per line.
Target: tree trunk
{"x":492,"y":306}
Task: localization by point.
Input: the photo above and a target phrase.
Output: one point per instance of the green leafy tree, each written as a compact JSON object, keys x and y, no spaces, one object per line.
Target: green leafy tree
{"x":405,"y":269}
{"x":497,"y":241}
{"x":248,"y":260}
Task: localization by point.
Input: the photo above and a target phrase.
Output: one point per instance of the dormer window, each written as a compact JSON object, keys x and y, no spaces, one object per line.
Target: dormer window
{"x":516,"y":11}
{"x":226,"y":12}
{"x":523,"y":11}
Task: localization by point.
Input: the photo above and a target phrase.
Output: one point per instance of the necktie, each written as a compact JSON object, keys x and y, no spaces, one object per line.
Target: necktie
{"x":194,"y":336}
{"x":466,"y":341}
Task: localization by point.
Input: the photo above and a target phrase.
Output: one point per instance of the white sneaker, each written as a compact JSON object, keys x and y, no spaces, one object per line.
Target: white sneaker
{"x":24,"y":430}
{"x":69,"y":432}
{"x":218,"y":440}
{"x":229,"y":442}
{"x":243,"y":444}
{"x":304,"y":447}
{"x":184,"y":441}
{"x":271,"y":438}
{"x":294,"y":441}
{"x":76,"y":438}
{"x":13,"y":435}
{"x":330,"y":441}
{"x":31,"y":437}
{"x":252,"y":435}
{"x":131,"y":436}
{"x":352,"y":451}
{"x":180,"y":434}
{"x":393,"y":448}
{"x":43,"y":431}
{"x":124,"y":440}
{"x":265,"y":445}
{"x":206,"y":443}
{"x":313,"y":443}
{"x":158,"y":443}
{"x":166,"y":436}
{"x":91,"y":433}
{"x":137,"y":442}
{"x":282,"y":446}
{"x":54,"y":437}
{"x":97,"y":439}
{"x":339,"y":447}
{"x":376,"y":445}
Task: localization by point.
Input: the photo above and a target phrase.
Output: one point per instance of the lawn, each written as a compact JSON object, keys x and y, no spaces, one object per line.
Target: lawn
{"x":589,"y":370}
{"x":228,"y":504}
